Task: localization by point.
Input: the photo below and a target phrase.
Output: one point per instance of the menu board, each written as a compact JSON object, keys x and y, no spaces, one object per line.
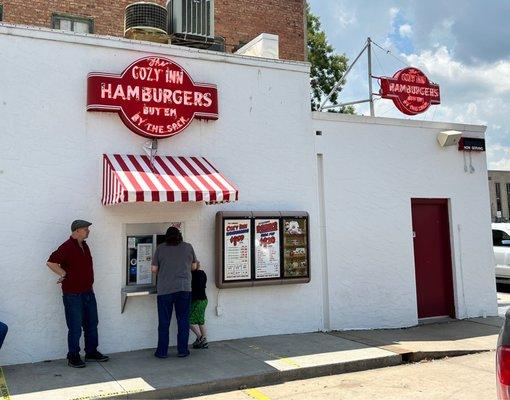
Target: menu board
{"x":295,"y":253}
{"x":237,"y":249}
{"x":267,"y":248}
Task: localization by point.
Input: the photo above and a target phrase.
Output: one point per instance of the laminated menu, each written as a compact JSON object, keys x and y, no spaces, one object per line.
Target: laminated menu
{"x":139,"y":259}
{"x":144,"y":261}
{"x":267,"y":248}
{"x":237,"y":250}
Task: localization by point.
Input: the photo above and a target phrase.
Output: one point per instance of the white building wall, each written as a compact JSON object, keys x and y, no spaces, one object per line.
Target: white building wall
{"x":264,"y":141}
{"x":51,"y":173}
{"x":372,"y":169}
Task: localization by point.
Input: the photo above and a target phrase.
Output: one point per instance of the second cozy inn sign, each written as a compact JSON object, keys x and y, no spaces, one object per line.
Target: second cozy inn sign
{"x":155,"y":97}
{"x":411,"y":91}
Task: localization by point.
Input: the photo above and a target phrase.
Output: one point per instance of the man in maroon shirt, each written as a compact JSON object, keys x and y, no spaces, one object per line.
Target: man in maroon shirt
{"x":73,"y":263}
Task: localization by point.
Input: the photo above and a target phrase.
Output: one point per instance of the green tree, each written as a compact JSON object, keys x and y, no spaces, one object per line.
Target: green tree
{"x":327,"y":66}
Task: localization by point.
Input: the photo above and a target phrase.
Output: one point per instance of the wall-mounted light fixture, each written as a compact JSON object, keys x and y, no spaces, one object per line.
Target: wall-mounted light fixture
{"x":449,"y":138}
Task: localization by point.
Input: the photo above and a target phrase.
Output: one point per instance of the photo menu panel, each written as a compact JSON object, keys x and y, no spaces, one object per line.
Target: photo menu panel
{"x":295,"y":249}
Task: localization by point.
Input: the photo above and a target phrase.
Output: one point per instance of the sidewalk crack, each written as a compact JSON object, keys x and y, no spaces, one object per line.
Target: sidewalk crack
{"x":116,"y":381}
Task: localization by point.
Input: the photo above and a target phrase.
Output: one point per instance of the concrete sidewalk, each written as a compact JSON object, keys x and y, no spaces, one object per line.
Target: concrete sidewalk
{"x":234,"y":364}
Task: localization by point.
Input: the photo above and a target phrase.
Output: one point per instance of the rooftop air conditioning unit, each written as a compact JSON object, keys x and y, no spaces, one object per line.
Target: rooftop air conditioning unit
{"x":191,"y":23}
{"x":146,"y":21}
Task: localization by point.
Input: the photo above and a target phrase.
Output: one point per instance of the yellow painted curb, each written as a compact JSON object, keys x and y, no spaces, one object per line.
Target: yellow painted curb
{"x":256,"y":394}
{"x":4,"y":390}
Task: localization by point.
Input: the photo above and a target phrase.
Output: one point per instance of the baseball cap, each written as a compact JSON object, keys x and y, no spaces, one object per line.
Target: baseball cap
{"x":79,"y":223}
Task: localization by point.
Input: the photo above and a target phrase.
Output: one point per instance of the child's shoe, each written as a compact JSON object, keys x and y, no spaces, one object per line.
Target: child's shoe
{"x":196,"y":343}
{"x":203,"y":343}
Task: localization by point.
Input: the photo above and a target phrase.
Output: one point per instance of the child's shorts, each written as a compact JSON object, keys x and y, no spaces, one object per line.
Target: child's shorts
{"x":197,"y":312}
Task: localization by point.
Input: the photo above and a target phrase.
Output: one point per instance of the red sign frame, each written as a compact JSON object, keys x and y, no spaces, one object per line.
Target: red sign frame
{"x":411,"y":91}
{"x":154,"y":96}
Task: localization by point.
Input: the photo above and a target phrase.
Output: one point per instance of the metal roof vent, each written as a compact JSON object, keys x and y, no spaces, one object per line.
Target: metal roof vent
{"x":191,"y":24}
{"x":191,"y":17}
{"x":146,"y":21}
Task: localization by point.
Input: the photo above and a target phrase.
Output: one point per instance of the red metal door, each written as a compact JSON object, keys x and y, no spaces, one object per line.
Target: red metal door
{"x":432,"y":258}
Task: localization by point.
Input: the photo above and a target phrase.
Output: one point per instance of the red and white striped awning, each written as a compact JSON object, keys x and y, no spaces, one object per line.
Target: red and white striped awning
{"x":131,"y":178}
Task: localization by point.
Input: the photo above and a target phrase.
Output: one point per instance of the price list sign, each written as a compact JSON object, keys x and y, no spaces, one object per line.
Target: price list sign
{"x":261,"y":248}
{"x":237,"y":250}
{"x":267,"y":248}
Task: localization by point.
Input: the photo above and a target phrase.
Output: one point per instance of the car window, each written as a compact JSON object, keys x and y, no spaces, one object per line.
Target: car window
{"x":500,"y":238}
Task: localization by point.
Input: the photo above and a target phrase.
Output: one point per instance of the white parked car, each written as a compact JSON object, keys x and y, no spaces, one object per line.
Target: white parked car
{"x":501,"y":243}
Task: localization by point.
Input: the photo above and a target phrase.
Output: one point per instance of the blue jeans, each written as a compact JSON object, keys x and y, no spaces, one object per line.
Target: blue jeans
{"x":166,"y":302}
{"x":3,"y":333}
{"x":81,"y":312}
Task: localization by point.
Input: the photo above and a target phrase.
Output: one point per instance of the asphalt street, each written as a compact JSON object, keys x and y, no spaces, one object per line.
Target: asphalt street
{"x":469,"y":377}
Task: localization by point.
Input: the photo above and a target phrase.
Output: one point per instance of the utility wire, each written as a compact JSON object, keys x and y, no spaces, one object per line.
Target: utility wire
{"x":336,"y":87}
{"x":378,"y":62}
{"x":391,"y":54}
{"x":384,"y":110}
{"x":434,"y":115}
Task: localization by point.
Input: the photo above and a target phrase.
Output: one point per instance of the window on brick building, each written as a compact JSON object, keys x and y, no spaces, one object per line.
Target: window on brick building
{"x":498,"y":196}
{"x":1,"y":12}
{"x":72,"y":23}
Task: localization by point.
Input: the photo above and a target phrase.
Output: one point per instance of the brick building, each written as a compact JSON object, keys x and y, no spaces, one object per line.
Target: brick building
{"x":237,"y":22}
{"x":499,"y":190}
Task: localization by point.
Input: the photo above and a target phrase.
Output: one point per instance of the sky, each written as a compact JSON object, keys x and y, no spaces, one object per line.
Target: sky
{"x":462,"y":45}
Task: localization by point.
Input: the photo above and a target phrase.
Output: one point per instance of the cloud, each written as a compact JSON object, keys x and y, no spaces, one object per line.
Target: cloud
{"x":498,"y":148}
{"x":401,"y":31}
{"x":343,"y":17}
{"x":475,"y":31}
{"x":405,"y":30}
{"x":441,"y":66}
{"x":393,"y":12}
{"x":500,"y":165}
{"x":498,"y":157}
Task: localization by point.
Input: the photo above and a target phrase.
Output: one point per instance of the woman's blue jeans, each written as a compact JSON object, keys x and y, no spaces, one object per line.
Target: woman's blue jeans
{"x":166,"y":302}
{"x":81,"y":312}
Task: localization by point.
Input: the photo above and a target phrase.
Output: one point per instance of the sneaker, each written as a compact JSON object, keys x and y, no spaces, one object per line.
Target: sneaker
{"x":75,"y":361}
{"x":196,"y":343}
{"x":96,"y":356}
{"x":203,"y":343}
{"x":181,"y":355}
